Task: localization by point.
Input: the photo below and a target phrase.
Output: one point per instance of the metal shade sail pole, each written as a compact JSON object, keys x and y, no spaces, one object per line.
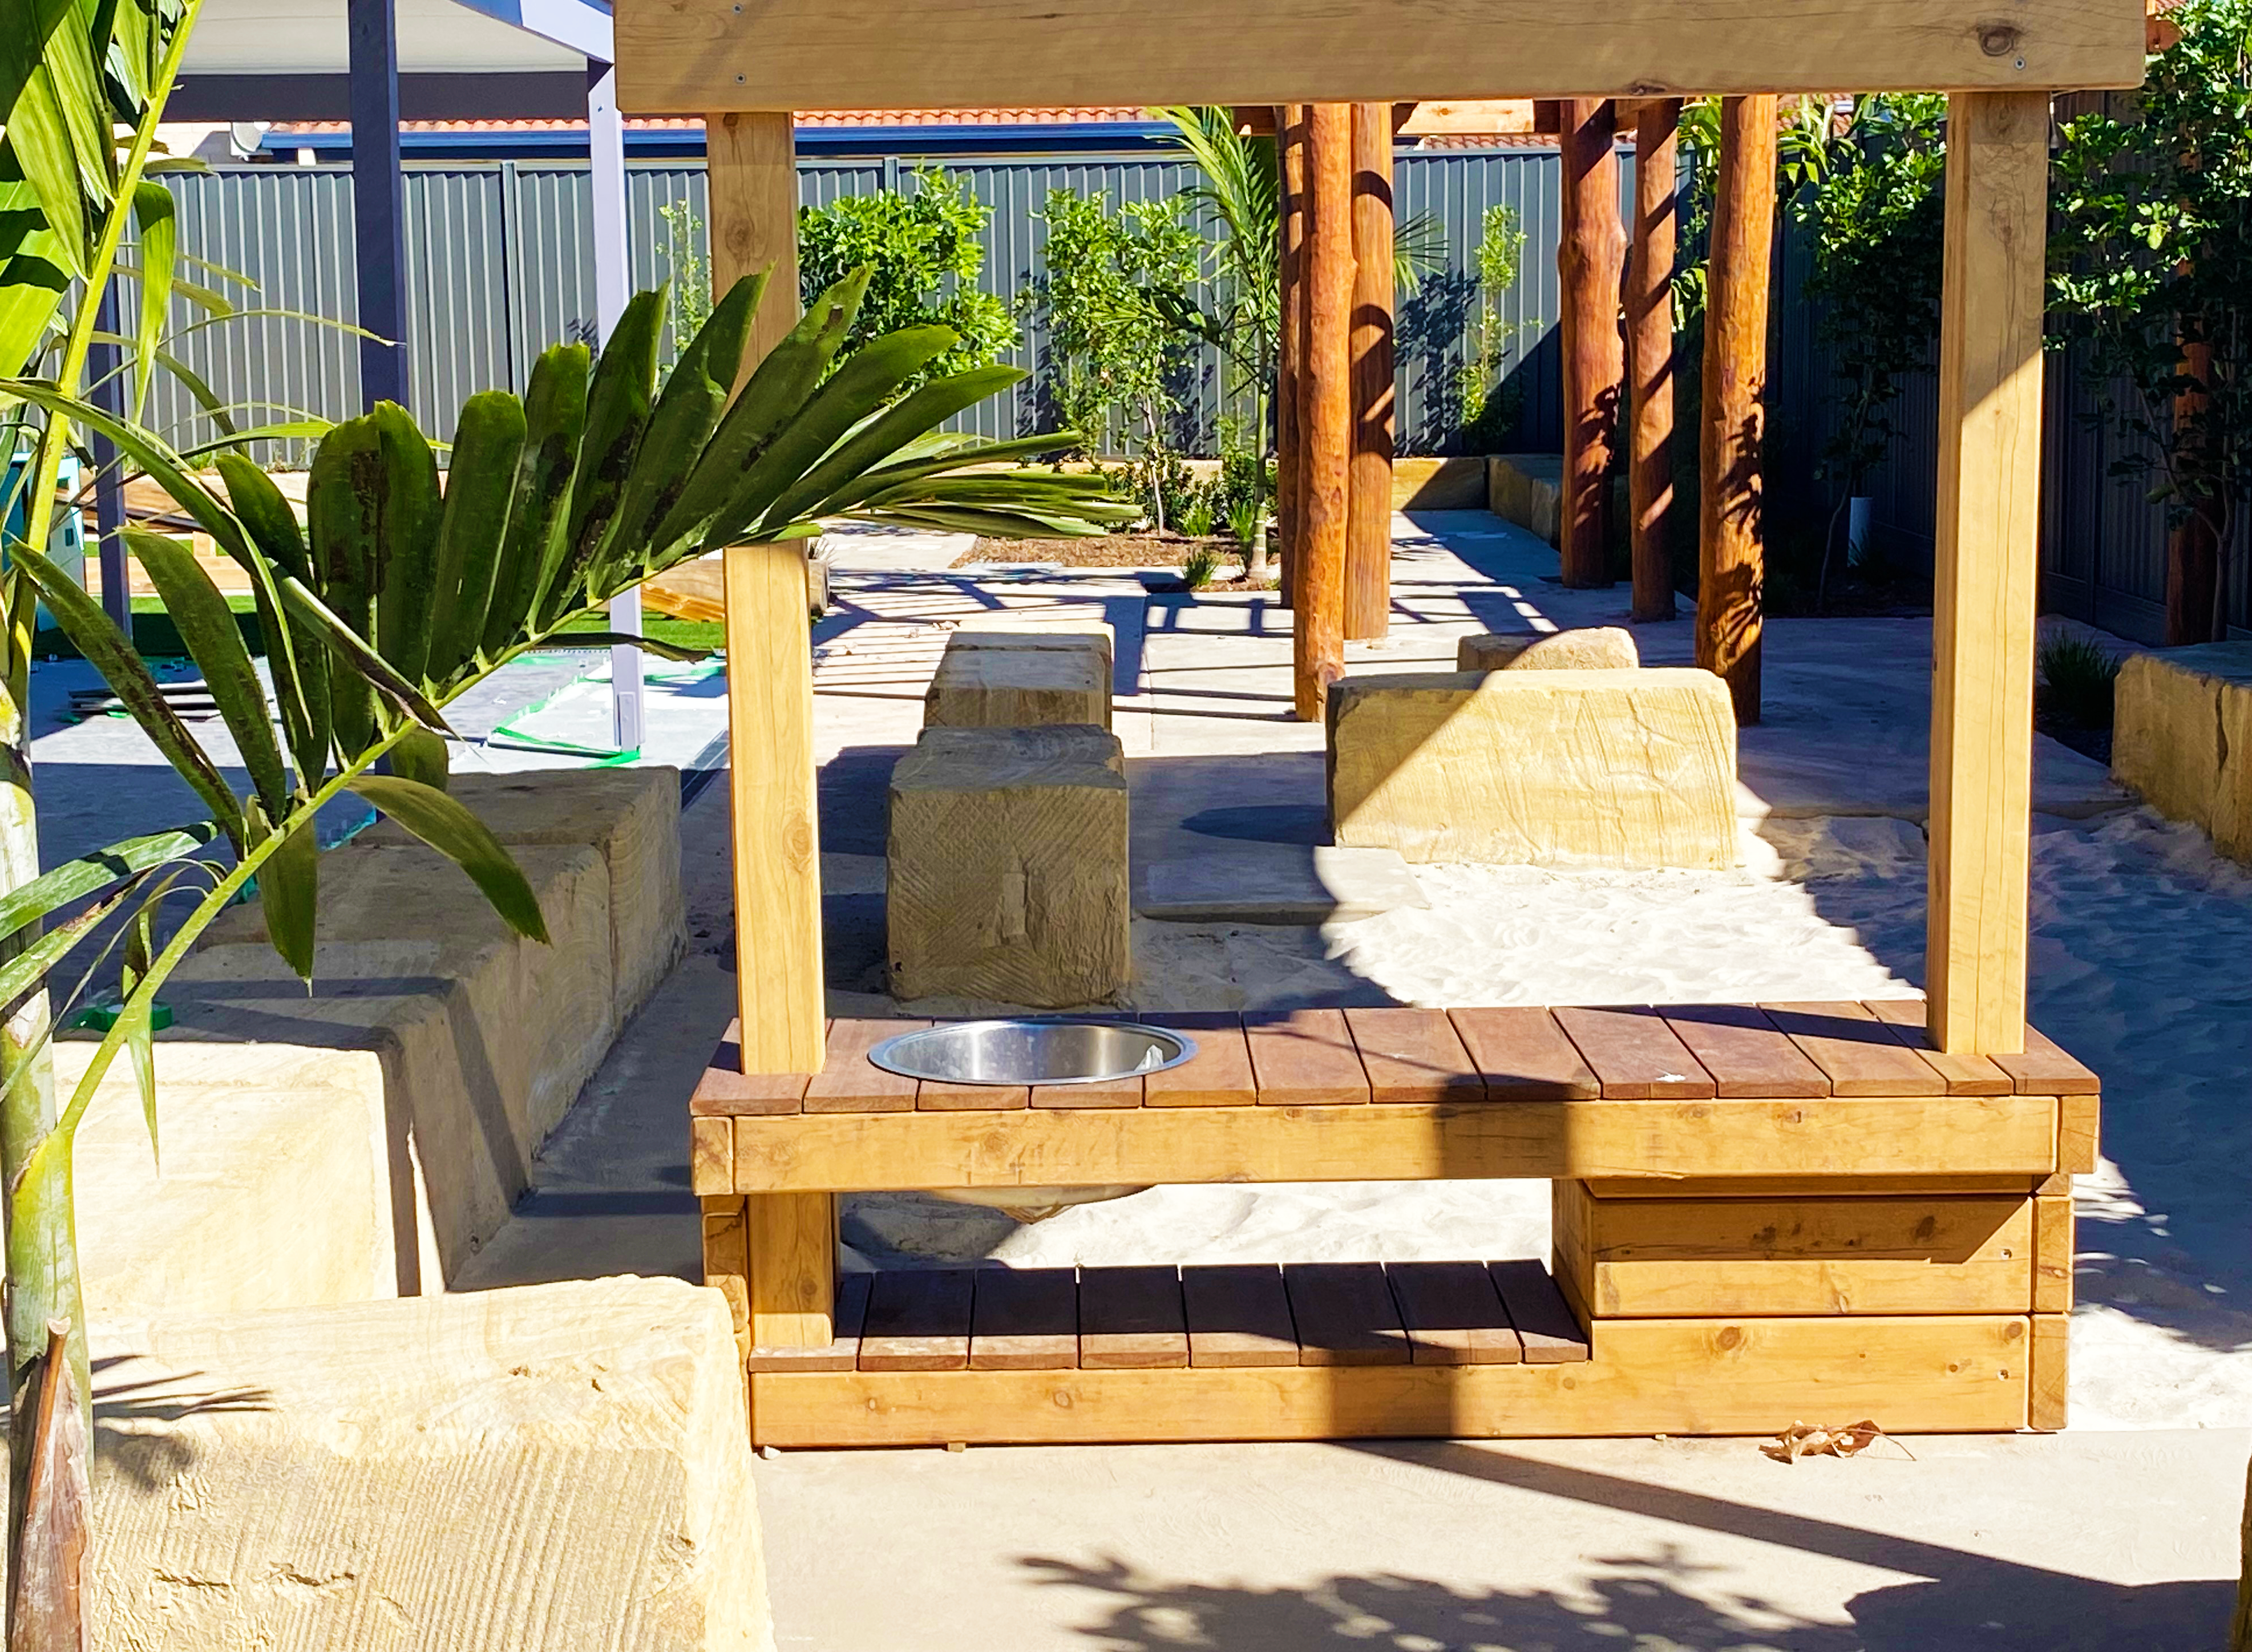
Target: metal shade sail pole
{"x":606,"y":153}
{"x":378,"y":201}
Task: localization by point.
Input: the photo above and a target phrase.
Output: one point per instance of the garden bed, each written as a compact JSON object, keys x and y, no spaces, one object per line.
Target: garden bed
{"x":1110,"y":551}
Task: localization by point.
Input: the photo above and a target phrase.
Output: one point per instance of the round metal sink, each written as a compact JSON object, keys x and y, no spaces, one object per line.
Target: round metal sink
{"x":1032,"y":1049}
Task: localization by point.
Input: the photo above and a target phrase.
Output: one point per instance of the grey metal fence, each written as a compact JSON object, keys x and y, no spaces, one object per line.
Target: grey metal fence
{"x":503,"y":266}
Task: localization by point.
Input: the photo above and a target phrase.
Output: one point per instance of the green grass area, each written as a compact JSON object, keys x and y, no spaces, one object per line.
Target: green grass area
{"x":157,"y":637}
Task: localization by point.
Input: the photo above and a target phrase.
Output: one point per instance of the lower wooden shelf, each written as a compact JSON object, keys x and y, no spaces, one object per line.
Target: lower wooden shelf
{"x":1915,"y":1374}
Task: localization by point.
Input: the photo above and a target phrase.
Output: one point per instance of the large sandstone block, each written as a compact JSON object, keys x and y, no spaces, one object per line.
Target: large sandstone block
{"x":1527,"y":488}
{"x":485,"y":1040}
{"x":1546,"y":768}
{"x":272,"y":1189}
{"x":1016,"y":627}
{"x":997,"y":680}
{"x":556,"y":1467}
{"x":1456,"y":483}
{"x":1007,"y":866}
{"x":1606,"y":647}
{"x":2182,"y":738}
{"x":629,"y":816}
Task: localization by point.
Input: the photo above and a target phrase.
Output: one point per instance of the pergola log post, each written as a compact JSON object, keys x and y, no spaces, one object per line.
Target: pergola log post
{"x":1291,"y":351}
{"x":1368,"y":543}
{"x":1587,"y":257}
{"x":1984,"y":596}
{"x":1649,"y":349}
{"x":1325,"y":416}
{"x":783,"y":1244}
{"x":1732,"y":423}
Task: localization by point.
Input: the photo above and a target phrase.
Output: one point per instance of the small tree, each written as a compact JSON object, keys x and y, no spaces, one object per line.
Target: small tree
{"x":1874,"y":211}
{"x":924,"y":250}
{"x":1113,"y":286}
{"x":2151,"y":272}
{"x":690,"y":274}
{"x":1501,"y":249}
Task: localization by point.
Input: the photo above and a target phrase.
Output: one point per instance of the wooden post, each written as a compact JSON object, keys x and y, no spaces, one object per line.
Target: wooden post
{"x":1987,"y":565}
{"x":1368,"y":540}
{"x":1650,"y":344}
{"x":783,"y":1243}
{"x":1587,"y":259}
{"x":1732,"y":425}
{"x":1325,"y":413}
{"x":1291,"y":351}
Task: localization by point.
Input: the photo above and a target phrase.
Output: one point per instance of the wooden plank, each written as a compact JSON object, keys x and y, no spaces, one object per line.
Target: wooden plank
{"x":1325,"y":413}
{"x":1304,"y":1058}
{"x":918,"y":1319}
{"x":779,"y":989}
{"x":2053,"y":1254}
{"x":1524,"y":1056}
{"x":791,"y":1239}
{"x":842,"y":1353}
{"x":1907,"y":1136}
{"x":1131,"y":1319}
{"x":2078,"y":1134}
{"x":1371,"y":378}
{"x":752,"y":165}
{"x":1025,"y":1319}
{"x":1987,"y":562}
{"x":1635,"y":1055}
{"x":1650,"y":349}
{"x":1783,"y":1187}
{"x":1854,"y":1048}
{"x":1219,"y":1075}
{"x":725,"y":1089}
{"x":2043,"y":1067}
{"x":1113,"y":1093}
{"x":1732,"y":416}
{"x":1962,"y":1074}
{"x":726,"y":1259}
{"x":934,"y":1097}
{"x":1453,"y":1314}
{"x":1413,"y":1055}
{"x":1926,"y":1374}
{"x":849,"y":1082}
{"x":711,"y":1156}
{"x":1546,"y":1325}
{"x":2048,"y":1389}
{"x":1344,"y":1314}
{"x":1671,"y":1258}
{"x":1590,"y":251}
{"x":687,"y":56}
{"x":1746,"y":1054}
{"x":1239,"y":1315}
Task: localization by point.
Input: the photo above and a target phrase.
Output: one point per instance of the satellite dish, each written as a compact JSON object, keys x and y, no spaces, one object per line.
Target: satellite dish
{"x":246,"y":135}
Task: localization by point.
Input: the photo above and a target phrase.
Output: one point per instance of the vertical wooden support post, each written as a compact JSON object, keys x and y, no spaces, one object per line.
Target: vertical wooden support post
{"x":1983,"y":602}
{"x":1732,"y":424}
{"x":787,"y":1240}
{"x":1587,"y":259}
{"x":1649,"y":349}
{"x":1325,"y":417}
{"x":1291,"y":351}
{"x":1368,"y":539}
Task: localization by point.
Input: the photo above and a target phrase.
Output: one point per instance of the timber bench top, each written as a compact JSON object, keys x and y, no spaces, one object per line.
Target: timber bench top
{"x":1401,"y":1056}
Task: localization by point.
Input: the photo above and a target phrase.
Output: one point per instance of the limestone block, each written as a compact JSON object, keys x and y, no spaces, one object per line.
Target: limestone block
{"x":528,"y":1470}
{"x":272,"y":1189}
{"x":1439,"y":485}
{"x":1007,"y":866}
{"x":983,"y":686}
{"x":631,"y":817}
{"x":1526,"y":489}
{"x":2182,"y":738}
{"x":1008,"y":627}
{"x":1606,"y":647}
{"x":1621,"y":769}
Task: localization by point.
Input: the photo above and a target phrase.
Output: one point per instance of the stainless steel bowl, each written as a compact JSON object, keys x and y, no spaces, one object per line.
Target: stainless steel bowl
{"x":1032,"y":1049}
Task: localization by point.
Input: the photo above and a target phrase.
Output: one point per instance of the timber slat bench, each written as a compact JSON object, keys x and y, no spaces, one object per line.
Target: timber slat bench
{"x":1762,"y":1214}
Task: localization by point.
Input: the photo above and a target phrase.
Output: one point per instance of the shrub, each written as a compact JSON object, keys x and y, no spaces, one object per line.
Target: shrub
{"x":2076,"y":679}
{"x":1198,"y":568}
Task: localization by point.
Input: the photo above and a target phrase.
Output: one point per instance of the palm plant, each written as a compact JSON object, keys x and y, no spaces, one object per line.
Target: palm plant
{"x":396,"y":597}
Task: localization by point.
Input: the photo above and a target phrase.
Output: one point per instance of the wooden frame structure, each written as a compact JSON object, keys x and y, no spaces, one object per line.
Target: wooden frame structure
{"x":1971,"y":1125}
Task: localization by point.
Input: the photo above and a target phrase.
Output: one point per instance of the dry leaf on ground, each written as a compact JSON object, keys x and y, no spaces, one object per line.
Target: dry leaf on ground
{"x":1810,"y":1440}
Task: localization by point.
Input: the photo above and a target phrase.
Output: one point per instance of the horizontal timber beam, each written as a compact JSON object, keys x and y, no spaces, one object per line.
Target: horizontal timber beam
{"x":691,"y":56}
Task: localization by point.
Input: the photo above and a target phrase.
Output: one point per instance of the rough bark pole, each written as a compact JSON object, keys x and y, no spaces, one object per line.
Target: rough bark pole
{"x":2193,"y":544}
{"x":1290,"y":347}
{"x":1325,"y":419}
{"x":1649,"y":345}
{"x":1588,"y":255}
{"x":1732,"y":426}
{"x":48,"y":1610}
{"x":1368,"y":544}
